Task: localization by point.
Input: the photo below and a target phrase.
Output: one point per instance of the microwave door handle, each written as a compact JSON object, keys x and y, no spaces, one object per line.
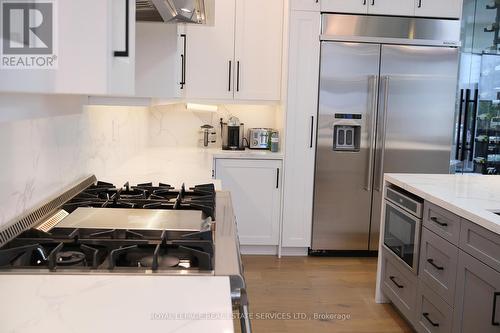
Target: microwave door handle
{"x":475,"y":105}
{"x":380,"y":166}
{"x":373,"y":122}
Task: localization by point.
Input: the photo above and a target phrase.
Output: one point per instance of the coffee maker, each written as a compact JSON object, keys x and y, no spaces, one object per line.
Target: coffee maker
{"x":232,"y":134}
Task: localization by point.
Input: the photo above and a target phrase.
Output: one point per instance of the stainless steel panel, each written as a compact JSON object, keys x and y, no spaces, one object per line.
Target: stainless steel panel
{"x":390,"y":29}
{"x":419,"y":119}
{"x":408,"y":202}
{"x":137,"y":219}
{"x":348,"y":81}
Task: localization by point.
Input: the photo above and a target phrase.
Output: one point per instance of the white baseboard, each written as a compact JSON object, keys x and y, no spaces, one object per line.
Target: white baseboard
{"x":294,"y":251}
{"x":259,"y":249}
{"x":272,"y":250}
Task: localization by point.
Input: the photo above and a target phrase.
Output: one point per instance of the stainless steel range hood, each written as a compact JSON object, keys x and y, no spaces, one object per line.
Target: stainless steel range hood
{"x":175,"y":11}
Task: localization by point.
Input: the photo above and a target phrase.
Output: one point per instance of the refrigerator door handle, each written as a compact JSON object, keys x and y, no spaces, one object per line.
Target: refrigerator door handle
{"x":473,"y":125}
{"x":382,"y":134}
{"x":465,"y":125}
{"x":373,"y":122}
{"x":459,"y":124}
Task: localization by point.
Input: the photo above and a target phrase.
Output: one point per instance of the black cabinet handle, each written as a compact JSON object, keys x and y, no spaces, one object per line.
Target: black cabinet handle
{"x":435,"y":220}
{"x":125,"y":53}
{"x":364,"y":2}
{"x":426,"y":316}
{"x":393,"y":279}
{"x":183,"y":62}
{"x":419,"y":4}
{"x":277,"y":177}
{"x":312,"y":132}
{"x":493,"y":315}
{"x":373,"y":2}
{"x":238,"y":76}
{"x":230,"y":68}
{"x":431,"y":261}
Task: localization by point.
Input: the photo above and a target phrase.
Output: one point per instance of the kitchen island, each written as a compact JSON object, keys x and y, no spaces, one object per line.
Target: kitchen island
{"x":452,"y":281}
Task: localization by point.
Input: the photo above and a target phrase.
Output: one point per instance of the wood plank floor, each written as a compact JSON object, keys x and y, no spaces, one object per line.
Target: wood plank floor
{"x":334,"y":286}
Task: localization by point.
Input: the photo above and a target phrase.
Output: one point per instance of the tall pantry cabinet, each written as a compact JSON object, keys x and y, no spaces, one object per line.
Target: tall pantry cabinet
{"x":301,"y":103}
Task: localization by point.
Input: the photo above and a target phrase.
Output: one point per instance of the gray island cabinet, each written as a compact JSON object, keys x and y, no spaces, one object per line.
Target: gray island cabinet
{"x":456,"y":285}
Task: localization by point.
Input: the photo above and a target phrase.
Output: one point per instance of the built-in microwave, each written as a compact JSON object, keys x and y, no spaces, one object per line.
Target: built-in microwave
{"x":402,"y":225}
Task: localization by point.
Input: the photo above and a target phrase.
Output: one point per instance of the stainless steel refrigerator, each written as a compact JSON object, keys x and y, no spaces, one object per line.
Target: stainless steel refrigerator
{"x":386,"y":104}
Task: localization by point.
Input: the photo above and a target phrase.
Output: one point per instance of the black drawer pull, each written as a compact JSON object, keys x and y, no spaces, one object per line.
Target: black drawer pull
{"x":431,"y":261}
{"x":493,"y":319}
{"x":435,"y":220}
{"x":426,"y":316}
{"x":393,"y":279}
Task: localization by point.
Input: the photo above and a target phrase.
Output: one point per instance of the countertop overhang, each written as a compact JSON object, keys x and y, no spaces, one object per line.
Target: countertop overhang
{"x":473,"y":197}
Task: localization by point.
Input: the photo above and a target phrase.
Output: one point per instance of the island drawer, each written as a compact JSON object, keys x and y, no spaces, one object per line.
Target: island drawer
{"x":442,"y":222}
{"x":481,"y":244}
{"x":438,"y":264}
{"x":399,"y":284}
{"x":433,"y":314}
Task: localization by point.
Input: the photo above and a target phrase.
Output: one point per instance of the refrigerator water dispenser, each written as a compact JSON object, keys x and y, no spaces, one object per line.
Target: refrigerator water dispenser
{"x":347,"y":132}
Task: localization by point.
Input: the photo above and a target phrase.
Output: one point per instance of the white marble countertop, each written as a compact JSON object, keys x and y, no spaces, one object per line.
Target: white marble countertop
{"x":175,"y":165}
{"x":115,"y":303}
{"x":473,"y":197}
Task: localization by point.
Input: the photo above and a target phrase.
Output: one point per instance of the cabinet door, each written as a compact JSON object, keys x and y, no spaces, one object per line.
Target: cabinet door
{"x":345,"y":6}
{"x":302,"y":108}
{"x":158,"y":60}
{"x":438,"y":8}
{"x":82,"y":45}
{"x":309,"y":5}
{"x":477,"y":297}
{"x":210,"y":56}
{"x":255,"y":187}
{"x":86,"y":33}
{"x":258,"y":49}
{"x":121,"y":49}
{"x":392,"y":7}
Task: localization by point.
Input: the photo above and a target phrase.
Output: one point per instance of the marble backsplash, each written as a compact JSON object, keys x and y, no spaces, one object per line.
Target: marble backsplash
{"x":49,"y":142}
{"x":174,"y":126}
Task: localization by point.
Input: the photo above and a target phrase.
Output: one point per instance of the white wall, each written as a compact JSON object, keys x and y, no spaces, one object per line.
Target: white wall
{"x":174,"y":126}
{"x":49,"y":142}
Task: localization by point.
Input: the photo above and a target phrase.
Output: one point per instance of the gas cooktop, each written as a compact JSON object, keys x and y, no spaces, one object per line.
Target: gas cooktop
{"x":146,"y":196}
{"x":122,"y":229}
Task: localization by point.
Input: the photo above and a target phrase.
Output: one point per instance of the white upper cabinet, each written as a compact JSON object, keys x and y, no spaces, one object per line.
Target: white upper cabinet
{"x":345,"y":6}
{"x":238,"y":58}
{"x":391,"y":7}
{"x":307,"y":5}
{"x":210,"y":55}
{"x":95,"y":47}
{"x":258,"y":49}
{"x":159,"y":60}
{"x":439,"y":8}
{"x":423,"y":8}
